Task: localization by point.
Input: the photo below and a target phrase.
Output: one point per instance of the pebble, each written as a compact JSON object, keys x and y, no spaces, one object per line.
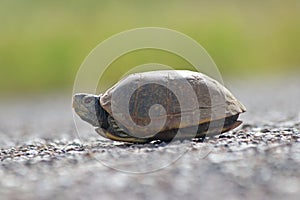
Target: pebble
{"x":239,"y":155}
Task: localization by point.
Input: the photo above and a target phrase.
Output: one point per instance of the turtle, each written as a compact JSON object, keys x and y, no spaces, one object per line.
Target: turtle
{"x":179,"y":104}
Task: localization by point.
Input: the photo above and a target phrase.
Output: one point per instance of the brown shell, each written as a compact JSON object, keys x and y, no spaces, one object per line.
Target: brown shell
{"x":183,"y":96}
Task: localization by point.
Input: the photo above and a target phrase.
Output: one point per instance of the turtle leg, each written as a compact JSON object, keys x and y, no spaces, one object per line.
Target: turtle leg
{"x":101,"y":132}
{"x":217,"y":127}
{"x":227,"y":127}
{"x":231,"y":126}
{"x":115,"y":133}
{"x":129,"y":139}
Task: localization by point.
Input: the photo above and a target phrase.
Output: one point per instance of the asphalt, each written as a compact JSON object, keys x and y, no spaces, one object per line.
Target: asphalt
{"x":44,"y":156}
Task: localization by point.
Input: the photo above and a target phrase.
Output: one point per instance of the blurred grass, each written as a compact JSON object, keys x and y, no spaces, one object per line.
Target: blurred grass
{"x":43,"y":43}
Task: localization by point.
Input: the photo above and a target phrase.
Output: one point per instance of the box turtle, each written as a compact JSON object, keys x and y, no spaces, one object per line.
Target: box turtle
{"x":160,"y":105}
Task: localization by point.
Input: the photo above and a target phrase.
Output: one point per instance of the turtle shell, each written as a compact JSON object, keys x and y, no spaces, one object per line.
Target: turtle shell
{"x":157,"y":101}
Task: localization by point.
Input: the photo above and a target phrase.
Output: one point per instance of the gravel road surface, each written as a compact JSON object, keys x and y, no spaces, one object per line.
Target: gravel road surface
{"x":44,"y":157}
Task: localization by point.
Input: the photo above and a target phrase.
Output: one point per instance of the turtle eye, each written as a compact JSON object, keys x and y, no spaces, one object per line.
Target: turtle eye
{"x":88,"y":100}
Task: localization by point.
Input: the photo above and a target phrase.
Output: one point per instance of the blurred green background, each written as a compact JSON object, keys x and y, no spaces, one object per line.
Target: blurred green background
{"x":43,"y":43}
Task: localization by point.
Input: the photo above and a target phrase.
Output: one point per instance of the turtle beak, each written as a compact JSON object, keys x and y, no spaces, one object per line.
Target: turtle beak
{"x":87,"y":112}
{"x":77,"y":99}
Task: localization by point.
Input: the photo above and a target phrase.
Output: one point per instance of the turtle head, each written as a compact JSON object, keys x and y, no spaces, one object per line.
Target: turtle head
{"x":88,"y":108}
